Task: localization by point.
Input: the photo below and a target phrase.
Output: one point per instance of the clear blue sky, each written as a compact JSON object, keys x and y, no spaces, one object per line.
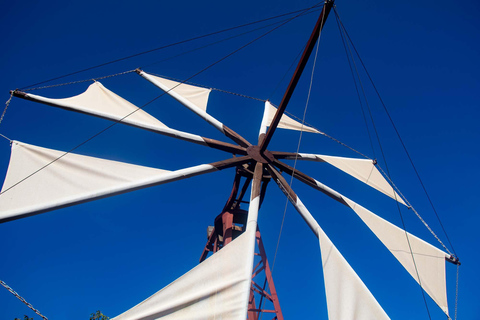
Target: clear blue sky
{"x":111,"y":254}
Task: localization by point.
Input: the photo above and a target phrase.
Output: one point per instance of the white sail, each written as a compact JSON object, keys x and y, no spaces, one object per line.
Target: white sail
{"x":40,"y":179}
{"x":194,"y":94}
{"x":218,"y":288}
{"x":429,"y":261}
{"x":215,"y":289}
{"x":424,"y":262}
{"x":192,"y":97}
{"x":361,"y":169}
{"x":99,"y":101}
{"x":285,"y":121}
{"x":347,"y":296}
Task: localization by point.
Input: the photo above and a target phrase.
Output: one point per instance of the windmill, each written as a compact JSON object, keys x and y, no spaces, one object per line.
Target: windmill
{"x":255,"y":163}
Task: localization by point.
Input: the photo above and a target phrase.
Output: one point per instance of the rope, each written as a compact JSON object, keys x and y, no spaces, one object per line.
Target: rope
{"x":263,"y":100}
{"x":143,"y":106}
{"x":399,"y":137}
{"x":239,"y":94}
{"x":170,"y":45}
{"x":80,"y":81}
{"x":383,"y":172}
{"x":345,"y":45}
{"x":285,"y":74}
{"x":299,"y":141}
{"x":166,"y":59}
{"x":364,"y":94}
{"x":412,"y":208}
{"x":207,"y":87}
{"x":325,"y":134}
{"x":6,"y":107}
{"x":223,"y":40}
{"x":22,"y":299}
{"x":1,"y":135}
{"x":334,"y":139}
{"x":398,"y":205}
{"x":388,"y":179}
{"x":303,"y":12}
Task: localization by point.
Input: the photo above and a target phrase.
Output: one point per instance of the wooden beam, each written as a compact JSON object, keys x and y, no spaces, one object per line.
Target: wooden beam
{"x":264,"y":140}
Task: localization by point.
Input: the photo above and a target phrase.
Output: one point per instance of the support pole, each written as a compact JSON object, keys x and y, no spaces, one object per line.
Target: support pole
{"x":265,"y":140}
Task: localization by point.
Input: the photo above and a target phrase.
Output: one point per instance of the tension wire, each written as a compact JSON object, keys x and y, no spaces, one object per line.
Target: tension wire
{"x":22,"y":299}
{"x":398,"y":135}
{"x":149,"y":102}
{"x":6,"y":107}
{"x":303,"y":11}
{"x":299,"y":139}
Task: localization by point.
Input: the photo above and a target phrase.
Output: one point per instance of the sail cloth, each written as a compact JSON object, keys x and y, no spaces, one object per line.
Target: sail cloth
{"x":427,"y":266}
{"x":347,"y":296}
{"x":285,"y":121}
{"x":218,"y":288}
{"x":101,"y":102}
{"x":194,"y":94}
{"x":215,"y":289}
{"x":40,"y":179}
{"x":413,"y":253}
{"x":192,"y":97}
{"x":361,"y":169}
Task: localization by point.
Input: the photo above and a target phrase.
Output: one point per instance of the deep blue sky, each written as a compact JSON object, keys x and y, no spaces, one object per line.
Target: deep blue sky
{"x":113,"y":253}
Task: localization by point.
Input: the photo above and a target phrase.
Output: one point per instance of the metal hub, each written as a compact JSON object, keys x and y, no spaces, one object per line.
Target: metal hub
{"x":265,"y":157}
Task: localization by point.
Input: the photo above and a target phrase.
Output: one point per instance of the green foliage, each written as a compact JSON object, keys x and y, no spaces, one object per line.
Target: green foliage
{"x":98,"y":316}
{"x":25,"y":317}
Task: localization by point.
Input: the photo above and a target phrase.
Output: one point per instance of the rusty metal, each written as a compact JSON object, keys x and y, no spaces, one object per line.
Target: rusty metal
{"x":230,"y":223}
{"x":233,"y":218}
{"x":263,"y":267}
{"x":224,"y":146}
{"x":282,"y":184}
{"x":236,"y":137}
{"x":22,"y":299}
{"x":233,"y":194}
{"x":262,"y":157}
{"x":209,"y":246}
{"x":231,"y":162}
{"x":212,"y":143}
{"x":252,"y":309}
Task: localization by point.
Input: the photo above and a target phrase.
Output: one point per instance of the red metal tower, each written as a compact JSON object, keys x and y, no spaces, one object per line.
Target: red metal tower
{"x":231,"y":223}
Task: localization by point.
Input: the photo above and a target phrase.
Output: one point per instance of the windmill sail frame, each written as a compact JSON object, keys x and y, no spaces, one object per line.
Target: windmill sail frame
{"x":260,"y":165}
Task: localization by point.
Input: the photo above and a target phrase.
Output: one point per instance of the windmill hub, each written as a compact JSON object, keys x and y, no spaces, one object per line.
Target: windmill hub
{"x":262,"y":157}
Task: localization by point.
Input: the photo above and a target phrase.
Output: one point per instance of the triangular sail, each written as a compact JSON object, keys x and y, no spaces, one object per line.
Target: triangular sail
{"x":427,"y":260}
{"x":215,"y":289}
{"x":40,"y":179}
{"x":101,"y":102}
{"x":361,"y":169}
{"x":218,"y":288}
{"x":427,"y":266}
{"x":194,"y":94}
{"x":192,"y":97}
{"x":347,"y":296}
{"x":285,"y":121}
